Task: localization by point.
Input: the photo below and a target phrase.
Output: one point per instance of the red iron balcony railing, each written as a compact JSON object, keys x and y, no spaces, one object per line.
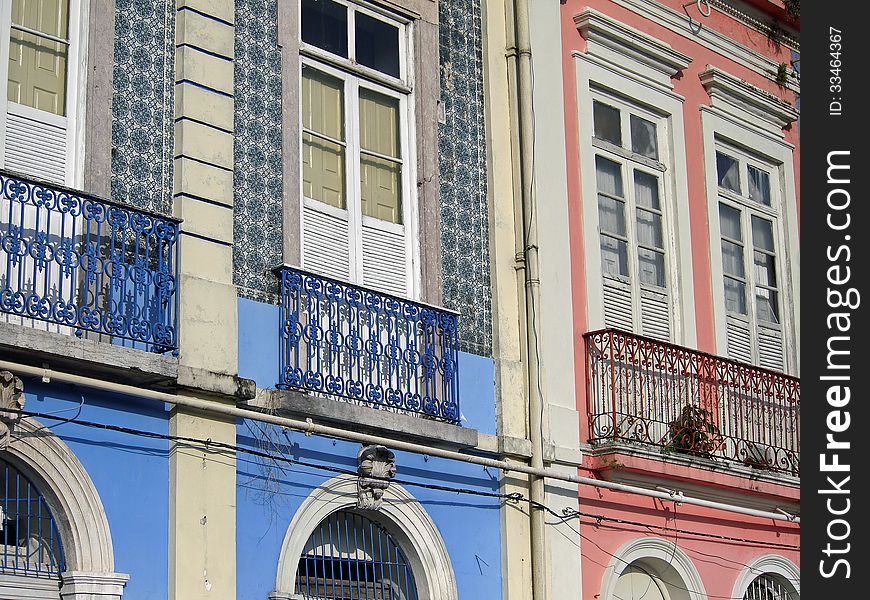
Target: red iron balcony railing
{"x":644,"y":391}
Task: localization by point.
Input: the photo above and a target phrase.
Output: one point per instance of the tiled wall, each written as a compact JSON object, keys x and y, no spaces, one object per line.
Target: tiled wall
{"x":142,"y":103}
{"x":462,"y":155}
{"x":462,"y":143}
{"x":258,"y":183}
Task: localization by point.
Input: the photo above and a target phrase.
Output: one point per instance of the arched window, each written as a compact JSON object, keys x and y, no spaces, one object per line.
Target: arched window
{"x":351,"y":557}
{"x":770,"y":587}
{"x":29,"y":536}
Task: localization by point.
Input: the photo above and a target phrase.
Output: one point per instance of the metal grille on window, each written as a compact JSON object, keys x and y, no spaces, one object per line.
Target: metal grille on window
{"x":351,"y":557}
{"x":767,"y":587}
{"x":29,"y":536}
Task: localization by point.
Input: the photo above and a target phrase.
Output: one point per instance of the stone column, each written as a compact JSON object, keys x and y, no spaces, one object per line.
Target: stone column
{"x":202,"y":528}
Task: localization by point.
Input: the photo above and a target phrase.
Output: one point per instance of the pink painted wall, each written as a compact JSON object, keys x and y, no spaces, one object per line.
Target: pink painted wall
{"x":718,"y":562}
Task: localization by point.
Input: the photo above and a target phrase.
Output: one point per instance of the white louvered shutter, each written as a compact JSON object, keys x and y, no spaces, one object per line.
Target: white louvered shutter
{"x":618,"y":311}
{"x":384,"y":258}
{"x":655,"y":315}
{"x":739,"y":340}
{"x":770,"y":353}
{"x":325,"y":243}
{"x":36,"y":144}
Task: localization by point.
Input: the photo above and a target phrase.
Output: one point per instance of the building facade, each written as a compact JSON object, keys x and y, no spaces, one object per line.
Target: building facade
{"x":374,"y":299}
{"x":683,"y":191}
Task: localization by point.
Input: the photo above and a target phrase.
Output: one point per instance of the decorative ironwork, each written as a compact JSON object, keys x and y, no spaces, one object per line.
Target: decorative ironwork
{"x":650,"y":392}
{"x":87,"y":265}
{"x":343,"y":340}
{"x":767,"y":587}
{"x":350,"y":557}
{"x":28,"y":532}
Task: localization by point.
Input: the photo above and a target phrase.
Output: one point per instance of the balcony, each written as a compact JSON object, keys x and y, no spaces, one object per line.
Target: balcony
{"x":646,"y":392}
{"x":75,"y":264}
{"x":347,"y":342}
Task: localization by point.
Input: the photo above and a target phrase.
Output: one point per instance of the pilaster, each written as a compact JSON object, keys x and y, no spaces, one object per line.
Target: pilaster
{"x":202,"y":525}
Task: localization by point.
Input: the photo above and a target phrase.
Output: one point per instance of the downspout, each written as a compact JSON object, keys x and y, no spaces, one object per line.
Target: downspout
{"x":529,"y":266}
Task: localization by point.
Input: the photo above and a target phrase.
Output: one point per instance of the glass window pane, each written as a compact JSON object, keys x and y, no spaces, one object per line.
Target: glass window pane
{"x":728,"y":170}
{"x":611,"y":215}
{"x":323,"y":160}
{"x":732,"y":259}
{"x":729,"y":222}
{"x":651,"y":267}
{"x":324,"y":24}
{"x":614,"y":256}
{"x":646,"y":190}
{"x":37,"y":65}
{"x":759,"y":185}
{"x":643,"y":137}
{"x":762,"y":233}
{"x":609,"y":176}
{"x":377,"y":44}
{"x":380,"y":178}
{"x":735,"y":296}
{"x":607,"y":123}
{"x":767,"y":305}
{"x":649,"y":229}
{"x":765,"y":269}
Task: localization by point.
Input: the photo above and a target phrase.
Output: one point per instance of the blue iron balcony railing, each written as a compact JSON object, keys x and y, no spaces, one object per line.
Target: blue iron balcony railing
{"x":345,"y":341}
{"x":82,"y":265}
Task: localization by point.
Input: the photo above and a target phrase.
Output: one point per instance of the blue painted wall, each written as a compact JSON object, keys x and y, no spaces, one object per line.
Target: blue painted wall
{"x":131,"y":474}
{"x":269,"y":492}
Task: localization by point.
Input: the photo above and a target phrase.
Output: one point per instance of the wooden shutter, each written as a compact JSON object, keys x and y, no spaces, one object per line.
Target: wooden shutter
{"x":770,"y":353}
{"x":739,"y":340}
{"x":618,"y":311}
{"x":655,"y":315}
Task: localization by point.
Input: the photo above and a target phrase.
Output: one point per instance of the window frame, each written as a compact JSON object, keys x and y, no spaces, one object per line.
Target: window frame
{"x":597,"y":82}
{"x":770,"y":152}
{"x":354,"y":77}
{"x":76,"y":85}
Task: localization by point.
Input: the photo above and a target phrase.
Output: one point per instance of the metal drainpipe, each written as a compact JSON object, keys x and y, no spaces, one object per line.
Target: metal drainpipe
{"x":530,"y":268}
{"x":309,"y":427}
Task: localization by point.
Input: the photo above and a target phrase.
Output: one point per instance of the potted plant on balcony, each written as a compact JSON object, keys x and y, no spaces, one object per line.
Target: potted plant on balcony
{"x":693,"y":432}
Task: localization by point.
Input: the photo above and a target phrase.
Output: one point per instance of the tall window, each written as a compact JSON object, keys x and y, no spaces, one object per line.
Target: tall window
{"x":351,"y":557}
{"x":748,"y":225}
{"x":37,"y":54}
{"x":355,"y":140}
{"x":632,"y":224}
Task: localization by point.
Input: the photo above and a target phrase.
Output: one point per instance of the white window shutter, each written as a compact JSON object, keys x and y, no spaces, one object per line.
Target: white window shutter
{"x":618,"y":311}
{"x":739,"y":340}
{"x":325,"y":243}
{"x":770,"y":354}
{"x":655,"y":315}
{"x":36,"y":146}
{"x":385,"y":258}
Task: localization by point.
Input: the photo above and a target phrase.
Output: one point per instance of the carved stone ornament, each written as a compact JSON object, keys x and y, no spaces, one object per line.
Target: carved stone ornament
{"x":377,"y":466}
{"x":12,"y":398}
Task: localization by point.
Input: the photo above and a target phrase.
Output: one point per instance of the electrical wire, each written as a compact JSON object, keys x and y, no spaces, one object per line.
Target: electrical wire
{"x":212,"y":445}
